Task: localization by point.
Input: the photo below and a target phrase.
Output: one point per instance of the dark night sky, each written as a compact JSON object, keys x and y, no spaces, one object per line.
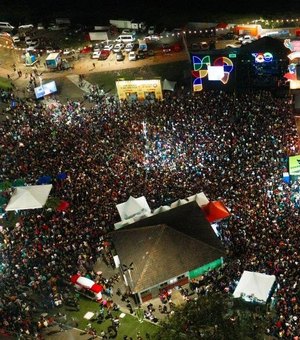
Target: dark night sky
{"x":156,"y":11}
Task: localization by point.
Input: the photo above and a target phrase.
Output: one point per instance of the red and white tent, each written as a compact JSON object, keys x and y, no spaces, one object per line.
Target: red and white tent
{"x":215,"y":211}
{"x":81,"y":282}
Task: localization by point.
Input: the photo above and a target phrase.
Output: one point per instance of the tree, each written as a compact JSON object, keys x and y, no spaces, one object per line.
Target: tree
{"x":213,"y":317}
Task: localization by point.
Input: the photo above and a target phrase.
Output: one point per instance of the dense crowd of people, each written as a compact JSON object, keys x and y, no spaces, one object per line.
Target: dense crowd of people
{"x":233,"y":148}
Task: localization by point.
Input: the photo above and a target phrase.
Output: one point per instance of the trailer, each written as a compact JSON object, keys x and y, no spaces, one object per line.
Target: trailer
{"x":53,"y":61}
{"x":121,"y":24}
{"x":98,"y":36}
{"x":128,"y":24}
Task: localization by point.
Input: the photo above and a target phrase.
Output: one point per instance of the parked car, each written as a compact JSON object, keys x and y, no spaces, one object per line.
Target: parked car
{"x":166,"y":48}
{"x":95,"y":55}
{"x":29,"y":41}
{"x":128,"y":31}
{"x":50,"y":49}
{"x":54,"y":27}
{"x":151,"y":30}
{"x":152,"y":37}
{"x":86,"y":50}
{"x":97,"y":47}
{"x":140,"y":54}
{"x":131,"y":56}
{"x":248,"y":40}
{"x":118,"y":47}
{"x":204,"y":46}
{"x":120,"y":56}
{"x":235,"y":44}
{"x":40,"y":26}
{"x":128,"y":48}
{"x":68,"y":51}
{"x":26,"y":27}
{"x":195,"y":47}
{"x":108,"y":47}
{"x":32,"y":47}
{"x":104,"y":54}
{"x":16,"y":39}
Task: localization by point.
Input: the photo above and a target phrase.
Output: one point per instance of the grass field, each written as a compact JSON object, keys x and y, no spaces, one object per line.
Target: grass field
{"x":5,"y":84}
{"x":129,"y":325}
{"x":177,"y":71}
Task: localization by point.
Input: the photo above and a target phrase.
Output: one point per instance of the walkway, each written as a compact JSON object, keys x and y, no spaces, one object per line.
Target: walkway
{"x":83,"y":84}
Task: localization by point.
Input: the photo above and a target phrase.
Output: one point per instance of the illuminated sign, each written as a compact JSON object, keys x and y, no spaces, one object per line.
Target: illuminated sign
{"x":294,"y":55}
{"x":294,"y":165}
{"x":291,"y":75}
{"x":219,"y":71}
{"x":266,"y":57}
{"x":139,"y":88}
{"x":292,"y":45}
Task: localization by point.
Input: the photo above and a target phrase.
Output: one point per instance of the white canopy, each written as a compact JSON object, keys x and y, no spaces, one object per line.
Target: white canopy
{"x":122,"y":224}
{"x":169,"y":85}
{"x":161,"y":209}
{"x":200,"y":198}
{"x":178,"y":203}
{"x":29,"y":197}
{"x":132,"y":207}
{"x":253,"y":285}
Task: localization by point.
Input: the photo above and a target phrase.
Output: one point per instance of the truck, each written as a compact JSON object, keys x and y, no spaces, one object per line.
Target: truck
{"x":98,"y":36}
{"x":128,"y":24}
{"x":253,"y":30}
{"x":53,"y":61}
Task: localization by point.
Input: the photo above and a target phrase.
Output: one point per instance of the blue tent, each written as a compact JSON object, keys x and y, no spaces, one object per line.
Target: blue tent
{"x":62,"y":175}
{"x":44,"y":180}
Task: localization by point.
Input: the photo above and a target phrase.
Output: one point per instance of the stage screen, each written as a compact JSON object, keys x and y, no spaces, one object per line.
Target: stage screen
{"x":213,"y":71}
{"x":45,"y":89}
{"x":294,"y":165}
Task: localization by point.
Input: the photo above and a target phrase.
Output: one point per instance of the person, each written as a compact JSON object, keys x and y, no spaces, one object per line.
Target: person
{"x":230,"y":146}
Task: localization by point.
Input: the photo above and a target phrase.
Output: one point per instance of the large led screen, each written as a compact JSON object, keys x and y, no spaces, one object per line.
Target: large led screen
{"x":45,"y":89}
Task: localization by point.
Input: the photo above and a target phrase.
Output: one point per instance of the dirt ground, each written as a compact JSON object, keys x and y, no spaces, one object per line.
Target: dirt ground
{"x":83,"y":65}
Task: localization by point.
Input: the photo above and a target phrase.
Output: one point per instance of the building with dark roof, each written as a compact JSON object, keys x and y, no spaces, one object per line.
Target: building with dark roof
{"x":165,"y":249}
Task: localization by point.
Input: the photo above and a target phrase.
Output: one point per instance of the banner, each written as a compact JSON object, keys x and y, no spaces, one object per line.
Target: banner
{"x":294,"y":165}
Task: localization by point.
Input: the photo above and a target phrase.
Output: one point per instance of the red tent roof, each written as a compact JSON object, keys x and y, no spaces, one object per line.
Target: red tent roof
{"x":290,"y":76}
{"x":96,"y":288}
{"x":215,"y":211}
{"x":222,"y":25}
{"x":74,"y":278}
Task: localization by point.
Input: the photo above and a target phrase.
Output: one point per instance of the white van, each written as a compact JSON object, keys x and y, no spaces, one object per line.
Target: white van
{"x":126,"y":38}
{"x":6,"y":26}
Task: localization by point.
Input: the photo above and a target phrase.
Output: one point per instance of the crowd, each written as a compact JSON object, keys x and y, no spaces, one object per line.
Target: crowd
{"x":232,"y":148}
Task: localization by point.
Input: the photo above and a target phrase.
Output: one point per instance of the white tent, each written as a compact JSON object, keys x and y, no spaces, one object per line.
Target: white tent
{"x":132,"y":207}
{"x":122,"y":224}
{"x":254,"y":286}
{"x":161,"y":209}
{"x":200,"y":198}
{"x":169,"y":85}
{"x":29,"y":197}
{"x":178,"y":203}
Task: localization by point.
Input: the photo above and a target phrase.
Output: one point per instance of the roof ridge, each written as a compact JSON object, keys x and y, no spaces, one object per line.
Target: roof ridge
{"x":147,"y":264}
